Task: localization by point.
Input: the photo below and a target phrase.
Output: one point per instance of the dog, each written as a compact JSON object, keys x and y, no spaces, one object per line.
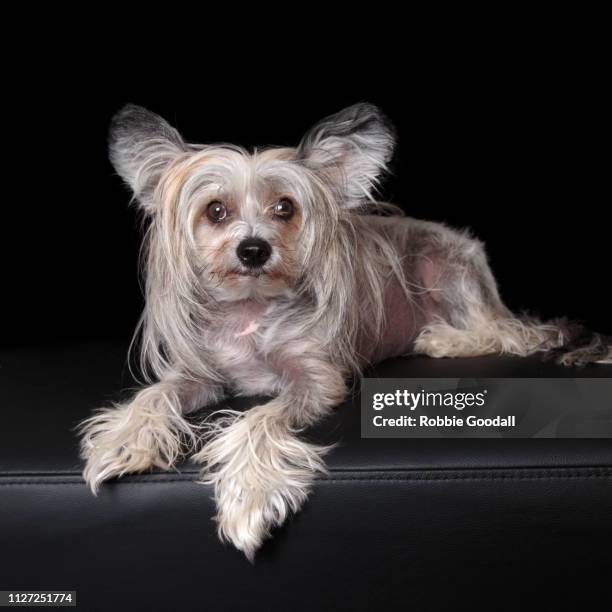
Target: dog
{"x":277,"y":272}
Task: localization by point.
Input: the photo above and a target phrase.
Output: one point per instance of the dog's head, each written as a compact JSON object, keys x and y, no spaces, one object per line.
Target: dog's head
{"x":255,"y":224}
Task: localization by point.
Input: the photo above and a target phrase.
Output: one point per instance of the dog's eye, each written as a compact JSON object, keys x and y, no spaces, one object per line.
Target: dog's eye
{"x":216,"y":211}
{"x":283,"y":209}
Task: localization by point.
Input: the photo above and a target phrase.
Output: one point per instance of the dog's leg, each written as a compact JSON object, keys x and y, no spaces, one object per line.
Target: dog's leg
{"x":470,"y":318}
{"x":485,"y":332}
{"x":482,"y":332}
{"x":261,"y":471}
{"x":149,"y":431}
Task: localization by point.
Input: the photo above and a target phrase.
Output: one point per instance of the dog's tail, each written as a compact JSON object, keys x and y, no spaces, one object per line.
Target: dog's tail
{"x":580,"y":346}
{"x":567,"y":342}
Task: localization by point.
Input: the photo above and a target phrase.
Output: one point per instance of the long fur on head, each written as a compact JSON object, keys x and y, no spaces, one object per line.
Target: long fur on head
{"x":332,"y":175}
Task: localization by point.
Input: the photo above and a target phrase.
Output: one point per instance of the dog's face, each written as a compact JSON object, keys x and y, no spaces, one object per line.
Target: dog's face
{"x":250,"y":225}
{"x":245,"y":218}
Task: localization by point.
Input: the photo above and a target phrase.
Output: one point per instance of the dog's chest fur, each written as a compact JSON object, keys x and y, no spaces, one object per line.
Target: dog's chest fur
{"x":240,"y":344}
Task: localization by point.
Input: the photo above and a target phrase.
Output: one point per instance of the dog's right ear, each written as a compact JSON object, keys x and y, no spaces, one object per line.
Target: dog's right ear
{"x":141,"y":146}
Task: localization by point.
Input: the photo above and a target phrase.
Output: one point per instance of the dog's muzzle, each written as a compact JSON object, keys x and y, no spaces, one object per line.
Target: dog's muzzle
{"x":253,"y":252}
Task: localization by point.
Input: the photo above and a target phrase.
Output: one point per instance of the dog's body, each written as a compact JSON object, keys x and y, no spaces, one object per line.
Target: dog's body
{"x":268,"y":274}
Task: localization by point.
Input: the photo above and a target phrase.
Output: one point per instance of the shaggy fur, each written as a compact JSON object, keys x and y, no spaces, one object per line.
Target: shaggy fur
{"x":344,"y":281}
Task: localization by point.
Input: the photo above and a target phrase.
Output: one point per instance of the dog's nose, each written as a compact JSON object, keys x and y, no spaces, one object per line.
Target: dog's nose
{"x":253,"y":252}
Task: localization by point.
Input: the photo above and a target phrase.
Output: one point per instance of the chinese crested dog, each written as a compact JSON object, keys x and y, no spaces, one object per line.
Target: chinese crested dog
{"x":276,"y":272}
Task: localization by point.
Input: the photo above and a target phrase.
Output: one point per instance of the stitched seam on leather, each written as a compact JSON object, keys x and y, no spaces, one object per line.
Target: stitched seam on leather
{"x":577,"y":469}
{"x":382,"y":478}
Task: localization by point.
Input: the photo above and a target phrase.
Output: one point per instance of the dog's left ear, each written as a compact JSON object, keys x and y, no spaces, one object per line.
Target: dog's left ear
{"x":355,"y":145}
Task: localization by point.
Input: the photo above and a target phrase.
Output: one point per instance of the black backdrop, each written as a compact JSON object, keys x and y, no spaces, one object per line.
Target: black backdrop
{"x":510,"y":149}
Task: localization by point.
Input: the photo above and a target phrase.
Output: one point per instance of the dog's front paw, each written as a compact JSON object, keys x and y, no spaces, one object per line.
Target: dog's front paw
{"x":246,"y":515}
{"x":127,"y":438}
{"x":261,"y":474}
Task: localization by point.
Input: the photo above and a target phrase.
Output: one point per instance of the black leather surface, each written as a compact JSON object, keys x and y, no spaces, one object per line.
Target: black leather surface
{"x":418,"y":524}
